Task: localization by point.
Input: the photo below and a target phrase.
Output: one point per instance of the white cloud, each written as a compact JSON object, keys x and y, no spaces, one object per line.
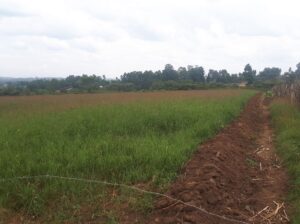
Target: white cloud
{"x":62,"y":37}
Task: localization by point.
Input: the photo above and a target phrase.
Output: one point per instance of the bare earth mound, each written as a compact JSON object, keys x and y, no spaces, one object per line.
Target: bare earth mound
{"x":236,"y":175}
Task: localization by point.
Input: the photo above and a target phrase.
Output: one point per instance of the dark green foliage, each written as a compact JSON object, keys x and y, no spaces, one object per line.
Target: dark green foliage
{"x":291,"y":76}
{"x":221,"y":76}
{"x":141,"y":80}
{"x":297,"y":72}
{"x":267,"y":78}
{"x":249,"y":74}
{"x":196,"y":74}
{"x":182,"y":73}
{"x":71,"y":84}
{"x":269,"y":74}
{"x":169,"y":73}
{"x":177,"y":85}
{"x":184,"y":78}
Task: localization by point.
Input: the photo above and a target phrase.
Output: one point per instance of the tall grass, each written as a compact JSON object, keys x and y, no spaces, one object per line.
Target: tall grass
{"x":137,"y":142}
{"x":286,"y":119}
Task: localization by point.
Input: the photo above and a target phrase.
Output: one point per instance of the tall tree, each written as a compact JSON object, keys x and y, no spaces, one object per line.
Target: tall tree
{"x":182,"y":73}
{"x":224,"y":76}
{"x":213,"y":76}
{"x":297,"y":71}
{"x":269,"y":73}
{"x":249,"y":74}
{"x":169,"y":73}
{"x":197,"y":74}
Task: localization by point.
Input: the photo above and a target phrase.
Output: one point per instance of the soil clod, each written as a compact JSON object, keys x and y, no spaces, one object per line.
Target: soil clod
{"x":232,"y":175}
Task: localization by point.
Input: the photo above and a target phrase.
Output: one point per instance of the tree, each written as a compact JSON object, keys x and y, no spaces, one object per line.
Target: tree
{"x":297,"y":71}
{"x":269,"y":74}
{"x":197,"y":74}
{"x":169,"y":73}
{"x":249,"y":74}
{"x":234,"y":78}
{"x":213,"y":76}
{"x":132,"y":77}
{"x":147,"y":79}
{"x":221,"y":76}
{"x":182,"y":73}
{"x":224,"y":76}
{"x":289,"y":76}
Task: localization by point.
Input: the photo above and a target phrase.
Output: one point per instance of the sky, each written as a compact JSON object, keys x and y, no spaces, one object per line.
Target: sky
{"x":56,"y":38}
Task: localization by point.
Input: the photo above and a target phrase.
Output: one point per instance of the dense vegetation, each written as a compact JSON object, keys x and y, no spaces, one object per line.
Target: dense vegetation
{"x":135,"y":142}
{"x":192,"y":77}
{"x":286,"y":119}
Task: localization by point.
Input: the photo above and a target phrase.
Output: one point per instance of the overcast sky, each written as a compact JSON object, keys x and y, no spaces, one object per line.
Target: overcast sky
{"x":59,"y":38}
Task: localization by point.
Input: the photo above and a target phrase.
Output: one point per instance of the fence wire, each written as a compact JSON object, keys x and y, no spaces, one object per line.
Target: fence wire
{"x":47,"y":176}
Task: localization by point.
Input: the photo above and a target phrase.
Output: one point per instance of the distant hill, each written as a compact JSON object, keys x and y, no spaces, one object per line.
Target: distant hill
{"x":4,"y":79}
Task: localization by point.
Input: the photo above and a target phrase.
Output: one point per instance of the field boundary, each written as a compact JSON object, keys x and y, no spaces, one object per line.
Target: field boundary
{"x":47,"y":176}
{"x":291,"y":91}
{"x":236,"y":174}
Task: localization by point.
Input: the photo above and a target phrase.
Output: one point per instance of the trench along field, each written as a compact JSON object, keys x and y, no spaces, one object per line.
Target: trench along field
{"x":236,"y":175}
{"x":143,"y":140}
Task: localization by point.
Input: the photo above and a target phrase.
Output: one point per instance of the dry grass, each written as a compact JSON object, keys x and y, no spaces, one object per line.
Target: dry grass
{"x":132,"y":138}
{"x":10,"y":106}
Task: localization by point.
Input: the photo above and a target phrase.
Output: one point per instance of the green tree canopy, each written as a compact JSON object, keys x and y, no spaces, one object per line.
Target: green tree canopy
{"x":169,"y":73}
{"x":249,"y":74}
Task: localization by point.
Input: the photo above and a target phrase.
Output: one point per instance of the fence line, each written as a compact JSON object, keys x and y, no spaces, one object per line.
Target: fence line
{"x":124,"y":186}
{"x":288,"y":90}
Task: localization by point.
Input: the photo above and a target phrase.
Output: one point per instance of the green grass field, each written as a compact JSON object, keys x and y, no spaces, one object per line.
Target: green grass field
{"x":142,"y":143}
{"x":286,"y":119}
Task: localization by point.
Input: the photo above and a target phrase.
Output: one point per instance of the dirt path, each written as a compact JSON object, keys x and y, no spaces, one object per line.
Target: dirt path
{"x":236,"y":175}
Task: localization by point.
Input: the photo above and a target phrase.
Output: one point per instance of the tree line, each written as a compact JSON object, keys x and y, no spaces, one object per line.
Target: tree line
{"x":183,"y":78}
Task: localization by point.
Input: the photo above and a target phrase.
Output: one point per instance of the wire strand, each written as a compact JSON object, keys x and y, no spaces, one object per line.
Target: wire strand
{"x":124,"y":186}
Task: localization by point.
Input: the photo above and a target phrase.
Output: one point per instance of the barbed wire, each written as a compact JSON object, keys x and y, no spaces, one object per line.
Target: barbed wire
{"x":124,"y":186}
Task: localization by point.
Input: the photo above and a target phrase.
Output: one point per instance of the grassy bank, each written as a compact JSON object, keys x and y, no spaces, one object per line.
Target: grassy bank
{"x":286,"y":119}
{"x":141,"y":142}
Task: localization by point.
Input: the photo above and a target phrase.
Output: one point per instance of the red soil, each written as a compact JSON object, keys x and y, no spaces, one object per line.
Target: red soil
{"x":236,"y":175}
